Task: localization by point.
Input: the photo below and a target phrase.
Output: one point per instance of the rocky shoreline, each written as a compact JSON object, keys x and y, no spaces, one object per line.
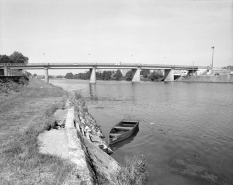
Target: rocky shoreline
{"x":104,"y":168}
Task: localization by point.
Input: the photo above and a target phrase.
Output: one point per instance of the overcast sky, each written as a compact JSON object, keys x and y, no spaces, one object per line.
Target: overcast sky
{"x":113,"y":31}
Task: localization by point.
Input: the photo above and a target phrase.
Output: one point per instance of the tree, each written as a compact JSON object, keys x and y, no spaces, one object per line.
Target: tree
{"x":17,"y":57}
{"x":75,"y":76}
{"x":5,"y":59}
{"x":129,"y":75}
{"x":69,"y":76}
{"x":99,"y":75}
{"x":88,"y":75}
{"x":59,"y":76}
{"x":117,"y":75}
{"x":107,"y":75}
{"x":145,"y":73}
{"x":155,"y":75}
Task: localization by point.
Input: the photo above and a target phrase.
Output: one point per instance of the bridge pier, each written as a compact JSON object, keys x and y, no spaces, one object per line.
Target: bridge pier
{"x":6,"y":71}
{"x":136,"y":75}
{"x":46,"y":75}
{"x":169,"y":75}
{"x":93,"y":75}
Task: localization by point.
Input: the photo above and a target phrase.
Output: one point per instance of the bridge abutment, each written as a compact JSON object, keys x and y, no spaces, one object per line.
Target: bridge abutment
{"x":46,"y":75}
{"x":136,"y":75}
{"x":93,"y":75}
{"x":169,"y":75}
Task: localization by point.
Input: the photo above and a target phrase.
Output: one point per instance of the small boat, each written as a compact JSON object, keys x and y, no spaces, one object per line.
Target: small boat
{"x":122,"y":130}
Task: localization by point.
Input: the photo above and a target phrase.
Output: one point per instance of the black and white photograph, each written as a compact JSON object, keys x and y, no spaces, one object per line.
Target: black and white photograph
{"x":116,"y":92}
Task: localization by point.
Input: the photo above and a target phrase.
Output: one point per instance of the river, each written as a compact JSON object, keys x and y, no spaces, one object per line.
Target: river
{"x":185,"y":130}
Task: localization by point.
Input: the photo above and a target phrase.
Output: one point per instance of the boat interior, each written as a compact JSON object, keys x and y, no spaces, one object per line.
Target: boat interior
{"x":121,"y":128}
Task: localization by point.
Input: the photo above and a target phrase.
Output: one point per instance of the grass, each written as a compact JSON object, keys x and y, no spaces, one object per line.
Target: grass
{"x":133,"y":172}
{"x":23,"y":116}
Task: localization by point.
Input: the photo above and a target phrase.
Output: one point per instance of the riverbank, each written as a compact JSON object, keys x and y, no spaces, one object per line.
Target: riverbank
{"x":24,"y":115}
{"x":101,"y":168}
{"x":29,"y":113}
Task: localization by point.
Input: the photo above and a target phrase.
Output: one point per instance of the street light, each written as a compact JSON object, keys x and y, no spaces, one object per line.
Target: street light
{"x":213,"y":58}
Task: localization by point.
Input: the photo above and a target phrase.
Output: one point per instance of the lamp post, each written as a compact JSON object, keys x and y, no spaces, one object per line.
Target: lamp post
{"x":213,"y":58}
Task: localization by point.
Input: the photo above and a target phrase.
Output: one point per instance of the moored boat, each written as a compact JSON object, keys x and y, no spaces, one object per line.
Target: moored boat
{"x":122,"y":130}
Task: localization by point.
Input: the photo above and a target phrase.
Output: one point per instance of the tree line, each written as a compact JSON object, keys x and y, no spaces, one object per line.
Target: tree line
{"x":145,"y":74}
{"x":15,"y":57}
{"x":105,"y":75}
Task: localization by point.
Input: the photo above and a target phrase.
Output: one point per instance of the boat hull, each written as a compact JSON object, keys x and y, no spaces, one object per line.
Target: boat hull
{"x":132,"y":127}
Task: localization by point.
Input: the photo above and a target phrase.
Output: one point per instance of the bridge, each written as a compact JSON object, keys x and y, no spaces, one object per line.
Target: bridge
{"x":136,"y":68}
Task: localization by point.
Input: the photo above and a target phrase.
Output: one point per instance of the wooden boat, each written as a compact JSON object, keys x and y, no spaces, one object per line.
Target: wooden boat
{"x":122,"y":130}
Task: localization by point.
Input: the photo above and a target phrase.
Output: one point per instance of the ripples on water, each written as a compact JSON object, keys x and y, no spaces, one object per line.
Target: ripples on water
{"x":191,"y":140}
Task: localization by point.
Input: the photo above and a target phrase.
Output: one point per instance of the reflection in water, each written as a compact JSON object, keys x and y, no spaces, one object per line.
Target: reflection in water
{"x":92,"y":91}
{"x":124,"y":142}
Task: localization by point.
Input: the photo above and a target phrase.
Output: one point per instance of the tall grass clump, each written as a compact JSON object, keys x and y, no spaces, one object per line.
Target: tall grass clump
{"x":78,"y":101}
{"x":133,"y":171}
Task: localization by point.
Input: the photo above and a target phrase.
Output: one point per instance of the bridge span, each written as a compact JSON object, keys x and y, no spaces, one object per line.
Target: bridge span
{"x":136,"y":68}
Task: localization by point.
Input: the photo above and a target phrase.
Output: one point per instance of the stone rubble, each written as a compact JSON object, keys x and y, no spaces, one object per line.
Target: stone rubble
{"x":88,"y":126}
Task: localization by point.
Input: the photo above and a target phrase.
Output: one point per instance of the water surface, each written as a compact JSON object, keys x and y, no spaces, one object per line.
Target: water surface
{"x":185,"y":131}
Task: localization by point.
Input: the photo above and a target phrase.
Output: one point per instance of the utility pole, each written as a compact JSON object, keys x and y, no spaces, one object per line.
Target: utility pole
{"x":213,"y":58}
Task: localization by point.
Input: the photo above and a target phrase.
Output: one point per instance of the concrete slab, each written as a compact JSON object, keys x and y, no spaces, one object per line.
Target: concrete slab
{"x":54,"y":142}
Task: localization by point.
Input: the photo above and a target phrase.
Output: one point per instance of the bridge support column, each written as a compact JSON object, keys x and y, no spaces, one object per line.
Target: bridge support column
{"x":6,"y":71}
{"x":46,"y":75}
{"x":93,"y":75}
{"x":136,"y":75}
{"x":169,"y":75}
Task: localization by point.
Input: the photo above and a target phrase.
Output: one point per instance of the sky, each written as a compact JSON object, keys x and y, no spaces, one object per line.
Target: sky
{"x":112,"y":31}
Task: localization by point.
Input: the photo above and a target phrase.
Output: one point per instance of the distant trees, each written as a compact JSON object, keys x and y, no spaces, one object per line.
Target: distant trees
{"x":106,"y":75}
{"x":59,"y":76}
{"x":129,"y":75}
{"x":145,"y":73}
{"x":5,"y":59}
{"x":155,"y":75}
{"x":69,"y":76}
{"x":16,"y":57}
{"x":116,"y":75}
{"x":83,"y":76}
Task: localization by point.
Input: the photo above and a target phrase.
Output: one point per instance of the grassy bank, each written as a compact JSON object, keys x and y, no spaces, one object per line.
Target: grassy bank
{"x":23,"y":116}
